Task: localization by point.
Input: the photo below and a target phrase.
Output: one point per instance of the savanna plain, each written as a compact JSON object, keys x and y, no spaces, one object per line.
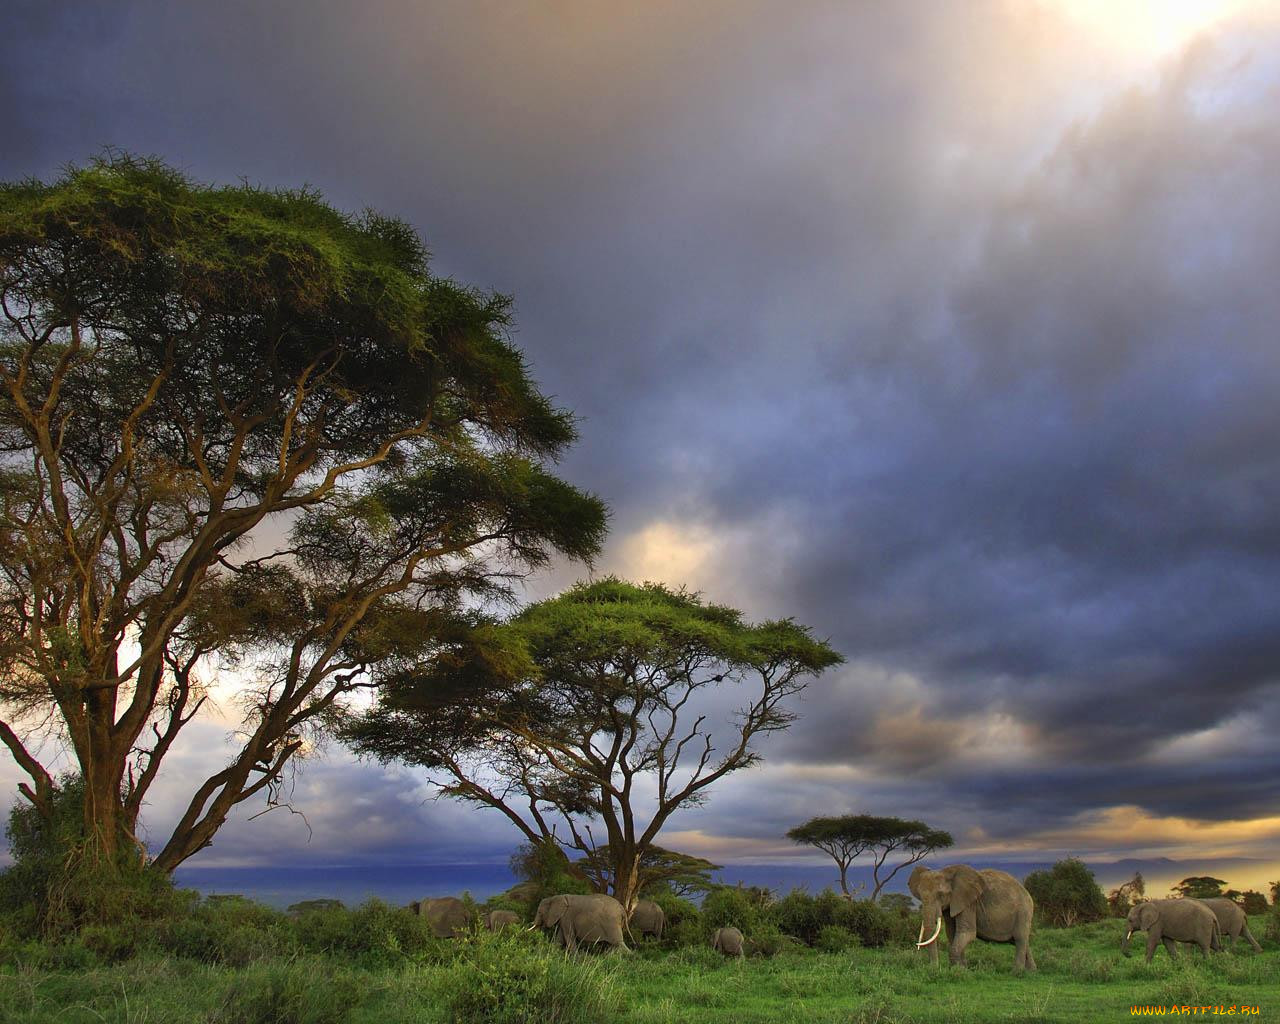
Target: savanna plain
{"x":241,"y":963}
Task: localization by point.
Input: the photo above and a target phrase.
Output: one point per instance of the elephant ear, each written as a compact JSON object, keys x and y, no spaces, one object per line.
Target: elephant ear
{"x":966,"y":889}
{"x":917,"y":876}
{"x":1147,"y":916}
{"x":556,"y":909}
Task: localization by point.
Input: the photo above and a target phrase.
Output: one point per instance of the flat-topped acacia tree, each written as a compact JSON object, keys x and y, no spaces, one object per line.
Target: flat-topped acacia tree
{"x":238,"y":427}
{"x":595,"y":710}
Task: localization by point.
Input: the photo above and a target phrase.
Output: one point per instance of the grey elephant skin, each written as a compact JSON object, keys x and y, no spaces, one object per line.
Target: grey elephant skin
{"x":727,"y":941}
{"x":1170,"y":922}
{"x":1233,"y":922}
{"x":648,"y":919}
{"x":989,"y":905}
{"x":447,"y":917}
{"x":496,"y":920}
{"x":583,"y":919}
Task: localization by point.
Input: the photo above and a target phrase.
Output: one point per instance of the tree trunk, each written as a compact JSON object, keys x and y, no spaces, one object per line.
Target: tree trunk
{"x":626,"y":878}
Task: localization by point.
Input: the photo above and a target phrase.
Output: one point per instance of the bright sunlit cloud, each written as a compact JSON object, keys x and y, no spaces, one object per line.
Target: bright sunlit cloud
{"x":1148,"y":28}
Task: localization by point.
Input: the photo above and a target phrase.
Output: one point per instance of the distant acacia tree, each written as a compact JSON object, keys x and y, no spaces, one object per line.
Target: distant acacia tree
{"x":1199,"y":887}
{"x":681,"y":874}
{"x":850,"y":836}
{"x":1122,"y":898}
{"x":1067,"y":894}
{"x":1252,"y":901}
{"x":594,"y":710}
{"x":241,"y":429}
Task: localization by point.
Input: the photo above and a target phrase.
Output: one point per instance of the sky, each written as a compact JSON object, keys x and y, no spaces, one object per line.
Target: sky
{"x":947,"y":327}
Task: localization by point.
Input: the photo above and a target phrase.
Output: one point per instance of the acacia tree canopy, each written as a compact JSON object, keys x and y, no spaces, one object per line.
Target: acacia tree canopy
{"x":596,"y":713}
{"x":849,"y":836}
{"x":240,"y":428}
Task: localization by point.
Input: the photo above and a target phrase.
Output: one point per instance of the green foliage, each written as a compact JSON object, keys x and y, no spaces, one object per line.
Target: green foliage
{"x":1200,"y":887}
{"x":804,"y":916}
{"x":660,"y":870}
{"x":294,"y":992}
{"x":513,"y":978}
{"x":834,"y":938}
{"x":1067,"y":894}
{"x":744,"y":909}
{"x":227,"y":359}
{"x":899,"y":903}
{"x":1253,"y":902}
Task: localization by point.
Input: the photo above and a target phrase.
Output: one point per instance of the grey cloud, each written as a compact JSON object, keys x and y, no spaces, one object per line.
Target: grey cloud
{"x":975,"y":363}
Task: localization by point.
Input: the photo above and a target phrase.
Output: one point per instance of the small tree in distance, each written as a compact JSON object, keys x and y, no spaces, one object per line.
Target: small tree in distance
{"x":1122,"y":898}
{"x":846,"y":838}
{"x":1199,"y":887}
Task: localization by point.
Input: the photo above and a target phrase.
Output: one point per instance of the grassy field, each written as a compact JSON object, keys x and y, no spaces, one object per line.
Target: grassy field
{"x":1082,"y":977}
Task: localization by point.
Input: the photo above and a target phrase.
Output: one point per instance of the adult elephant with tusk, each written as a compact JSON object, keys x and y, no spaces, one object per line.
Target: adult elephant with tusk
{"x":583,"y":919}
{"x":989,"y":905}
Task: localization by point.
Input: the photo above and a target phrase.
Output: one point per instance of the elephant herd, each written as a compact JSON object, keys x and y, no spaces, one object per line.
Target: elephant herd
{"x":969,"y":904}
{"x":576,"y":919}
{"x":996,"y":907}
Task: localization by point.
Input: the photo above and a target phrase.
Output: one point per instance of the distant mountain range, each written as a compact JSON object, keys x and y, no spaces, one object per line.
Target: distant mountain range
{"x":402,"y":883}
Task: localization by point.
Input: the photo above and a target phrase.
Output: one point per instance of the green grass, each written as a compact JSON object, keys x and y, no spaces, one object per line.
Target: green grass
{"x":520,"y":977}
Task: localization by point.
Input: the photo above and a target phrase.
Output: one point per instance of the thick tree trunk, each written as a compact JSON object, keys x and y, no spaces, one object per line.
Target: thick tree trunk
{"x":626,"y":878}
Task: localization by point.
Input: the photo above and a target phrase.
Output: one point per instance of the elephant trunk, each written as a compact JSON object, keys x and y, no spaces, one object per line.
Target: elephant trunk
{"x":930,"y":920}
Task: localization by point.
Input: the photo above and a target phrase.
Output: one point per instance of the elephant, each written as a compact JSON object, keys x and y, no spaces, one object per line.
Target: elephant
{"x":727,"y":941}
{"x":1171,"y":922}
{"x":648,"y":919}
{"x":496,"y":920}
{"x":989,"y":905}
{"x":447,"y":917}
{"x":1232,"y":920}
{"x":594,"y":918}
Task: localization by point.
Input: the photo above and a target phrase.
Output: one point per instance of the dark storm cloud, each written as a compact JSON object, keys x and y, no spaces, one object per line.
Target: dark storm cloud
{"x":966,"y":362}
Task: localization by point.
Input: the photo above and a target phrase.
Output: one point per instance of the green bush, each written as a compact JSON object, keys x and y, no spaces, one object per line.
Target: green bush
{"x":688,"y":932}
{"x":1067,"y":894}
{"x":374,"y":932}
{"x":765,"y":941}
{"x":726,"y":905}
{"x":111,"y":943}
{"x":296,"y":992}
{"x":505,"y":978}
{"x":834,"y":938}
{"x":804,"y":917}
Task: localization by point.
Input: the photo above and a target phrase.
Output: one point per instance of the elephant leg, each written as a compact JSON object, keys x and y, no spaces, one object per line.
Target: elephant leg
{"x":1031,"y":960}
{"x":963,"y":938}
{"x":1172,"y":947}
{"x":1021,"y":954}
{"x":1153,"y":940}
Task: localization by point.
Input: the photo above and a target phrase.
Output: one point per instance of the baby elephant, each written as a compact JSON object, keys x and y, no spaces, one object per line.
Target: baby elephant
{"x":496,"y":920}
{"x":1232,"y":920}
{"x":727,"y":941}
{"x":1171,"y":922}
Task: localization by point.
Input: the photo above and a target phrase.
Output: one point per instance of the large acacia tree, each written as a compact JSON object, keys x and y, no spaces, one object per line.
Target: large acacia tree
{"x":240,"y":429}
{"x":595,"y":710}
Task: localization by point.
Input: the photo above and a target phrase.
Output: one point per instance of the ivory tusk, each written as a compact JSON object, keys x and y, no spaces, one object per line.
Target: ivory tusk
{"x":932,"y":937}
{"x":1129,"y":936}
{"x":921,"y":935}
{"x":532,"y":926}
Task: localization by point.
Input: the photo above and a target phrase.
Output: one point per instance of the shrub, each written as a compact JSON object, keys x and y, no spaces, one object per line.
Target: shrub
{"x":834,"y":938}
{"x":804,"y":917}
{"x":505,"y":978}
{"x":731,"y":905}
{"x":767,"y":941}
{"x":1253,"y":902}
{"x":1067,"y":894}
{"x":233,"y":931}
{"x":111,"y":943}
{"x":375,"y":932}
{"x":305,"y":992}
